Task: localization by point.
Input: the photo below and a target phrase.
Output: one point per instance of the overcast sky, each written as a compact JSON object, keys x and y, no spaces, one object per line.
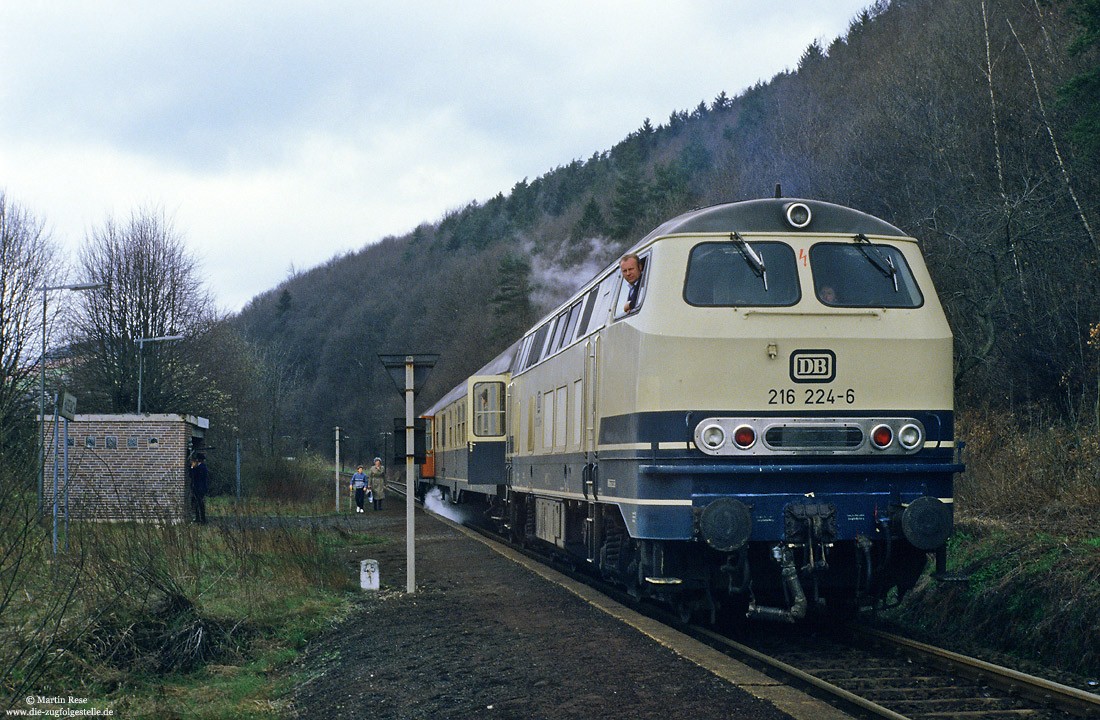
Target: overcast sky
{"x":278,"y":134}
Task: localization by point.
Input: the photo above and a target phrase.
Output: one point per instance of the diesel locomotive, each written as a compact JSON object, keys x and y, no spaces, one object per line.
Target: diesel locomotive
{"x":767,"y":429}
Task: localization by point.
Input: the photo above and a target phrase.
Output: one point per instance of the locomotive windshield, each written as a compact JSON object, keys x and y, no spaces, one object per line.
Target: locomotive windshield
{"x":727,"y":274}
{"x":863,"y":275}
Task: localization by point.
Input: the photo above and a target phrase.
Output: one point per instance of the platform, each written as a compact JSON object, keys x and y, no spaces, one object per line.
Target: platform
{"x":491,"y":634}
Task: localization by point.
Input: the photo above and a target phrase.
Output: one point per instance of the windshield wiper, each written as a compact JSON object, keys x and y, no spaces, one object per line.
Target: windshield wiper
{"x":751,"y":257}
{"x":881,"y":262}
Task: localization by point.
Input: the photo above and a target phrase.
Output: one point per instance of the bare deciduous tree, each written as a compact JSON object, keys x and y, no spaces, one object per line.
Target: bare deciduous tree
{"x":155,"y":292}
{"x":28,"y":262}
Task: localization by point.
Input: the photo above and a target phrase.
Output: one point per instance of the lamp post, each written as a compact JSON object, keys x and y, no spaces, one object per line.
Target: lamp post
{"x":42,"y":382}
{"x":409,"y":373}
{"x":141,"y":346}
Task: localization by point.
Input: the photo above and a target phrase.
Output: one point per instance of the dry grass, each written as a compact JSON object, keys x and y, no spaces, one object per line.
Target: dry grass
{"x":131,"y":603}
{"x":1031,"y":473}
{"x":1028,"y":537}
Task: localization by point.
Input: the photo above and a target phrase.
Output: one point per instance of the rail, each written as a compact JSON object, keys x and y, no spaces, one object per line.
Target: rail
{"x":1035,"y":689}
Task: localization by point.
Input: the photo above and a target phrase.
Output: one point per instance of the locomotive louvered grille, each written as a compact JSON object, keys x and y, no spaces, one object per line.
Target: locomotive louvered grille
{"x":813,"y":437}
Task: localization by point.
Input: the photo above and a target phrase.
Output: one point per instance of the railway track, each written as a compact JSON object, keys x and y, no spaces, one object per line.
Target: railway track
{"x":867,"y":672}
{"x":877,"y":674}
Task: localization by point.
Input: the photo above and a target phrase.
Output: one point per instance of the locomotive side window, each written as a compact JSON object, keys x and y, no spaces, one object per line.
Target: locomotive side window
{"x":589,"y":303}
{"x":604,"y":295}
{"x":571,"y":324}
{"x":728,"y":274}
{"x":536,"y":346}
{"x":559,"y":332}
{"x":521,"y":355}
{"x":863,"y":275}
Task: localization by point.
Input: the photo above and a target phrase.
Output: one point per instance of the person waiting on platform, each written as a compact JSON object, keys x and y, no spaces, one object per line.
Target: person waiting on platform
{"x":359,"y":485}
{"x":376,"y":479}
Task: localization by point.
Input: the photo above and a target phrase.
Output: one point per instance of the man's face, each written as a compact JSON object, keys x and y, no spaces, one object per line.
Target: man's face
{"x":630,"y":270}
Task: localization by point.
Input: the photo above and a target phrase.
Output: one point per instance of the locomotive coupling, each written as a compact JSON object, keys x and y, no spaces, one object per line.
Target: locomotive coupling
{"x":793,"y":587}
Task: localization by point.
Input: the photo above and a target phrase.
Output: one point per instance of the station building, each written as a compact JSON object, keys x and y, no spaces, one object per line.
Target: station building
{"x":124,"y":467}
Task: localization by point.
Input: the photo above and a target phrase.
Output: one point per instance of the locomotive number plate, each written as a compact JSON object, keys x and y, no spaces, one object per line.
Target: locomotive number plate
{"x":812,"y":396}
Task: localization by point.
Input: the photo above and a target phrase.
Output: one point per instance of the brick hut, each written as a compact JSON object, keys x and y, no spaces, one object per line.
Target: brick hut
{"x":125,"y":467}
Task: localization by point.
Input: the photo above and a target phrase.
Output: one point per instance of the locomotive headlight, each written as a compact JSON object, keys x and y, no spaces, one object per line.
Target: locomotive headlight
{"x":882,"y":436}
{"x":798,"y":215}
{"x":713,"y":436}
{"x":910,"y":436}
{"x":744,"y":437}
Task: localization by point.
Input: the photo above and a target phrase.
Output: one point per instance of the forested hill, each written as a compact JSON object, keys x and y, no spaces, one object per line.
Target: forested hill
{"x":971,"y":124}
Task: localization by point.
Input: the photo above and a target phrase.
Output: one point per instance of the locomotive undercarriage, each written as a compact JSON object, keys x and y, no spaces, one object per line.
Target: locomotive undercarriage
{"x":810,"y":571}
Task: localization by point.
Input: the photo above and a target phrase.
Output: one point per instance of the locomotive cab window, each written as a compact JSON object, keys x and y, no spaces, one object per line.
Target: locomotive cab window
{"x":862,"y":274}
{"x":739,"y":273}
{"x":624,"y":305}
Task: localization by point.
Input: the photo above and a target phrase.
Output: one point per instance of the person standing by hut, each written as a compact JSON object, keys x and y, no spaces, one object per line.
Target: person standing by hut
{"x":200,"y":484}
{"x":376,"y":479}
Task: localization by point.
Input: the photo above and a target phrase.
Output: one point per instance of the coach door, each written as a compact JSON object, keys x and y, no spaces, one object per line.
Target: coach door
{"x":486,"y":421}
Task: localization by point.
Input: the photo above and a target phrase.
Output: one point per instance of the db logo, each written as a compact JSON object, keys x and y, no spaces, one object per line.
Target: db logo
{"x":813,"y":366}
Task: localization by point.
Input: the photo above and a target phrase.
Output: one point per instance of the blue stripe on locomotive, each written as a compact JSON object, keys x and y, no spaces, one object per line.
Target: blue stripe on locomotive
{"x":862,"y":487}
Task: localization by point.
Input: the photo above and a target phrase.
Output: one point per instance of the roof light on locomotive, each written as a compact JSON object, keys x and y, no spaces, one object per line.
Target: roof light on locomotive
{"x":798,"y":215}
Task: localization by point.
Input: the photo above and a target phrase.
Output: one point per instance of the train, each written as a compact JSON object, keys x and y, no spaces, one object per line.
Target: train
{"x":766,"y":431}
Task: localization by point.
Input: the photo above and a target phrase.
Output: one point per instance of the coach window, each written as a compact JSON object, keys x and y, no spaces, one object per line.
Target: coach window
{"x":861,"y":274}
{"x":624,"y":291}
{"x":739,"y":273}
{"x":488,"y":409}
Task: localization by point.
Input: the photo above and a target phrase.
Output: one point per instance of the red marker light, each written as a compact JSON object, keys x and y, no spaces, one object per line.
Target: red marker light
{"x":882,"y":436}
{"x":744,"y":437}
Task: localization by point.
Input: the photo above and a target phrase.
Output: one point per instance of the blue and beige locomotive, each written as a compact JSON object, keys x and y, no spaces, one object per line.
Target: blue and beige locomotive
{"x":768,"y":429}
